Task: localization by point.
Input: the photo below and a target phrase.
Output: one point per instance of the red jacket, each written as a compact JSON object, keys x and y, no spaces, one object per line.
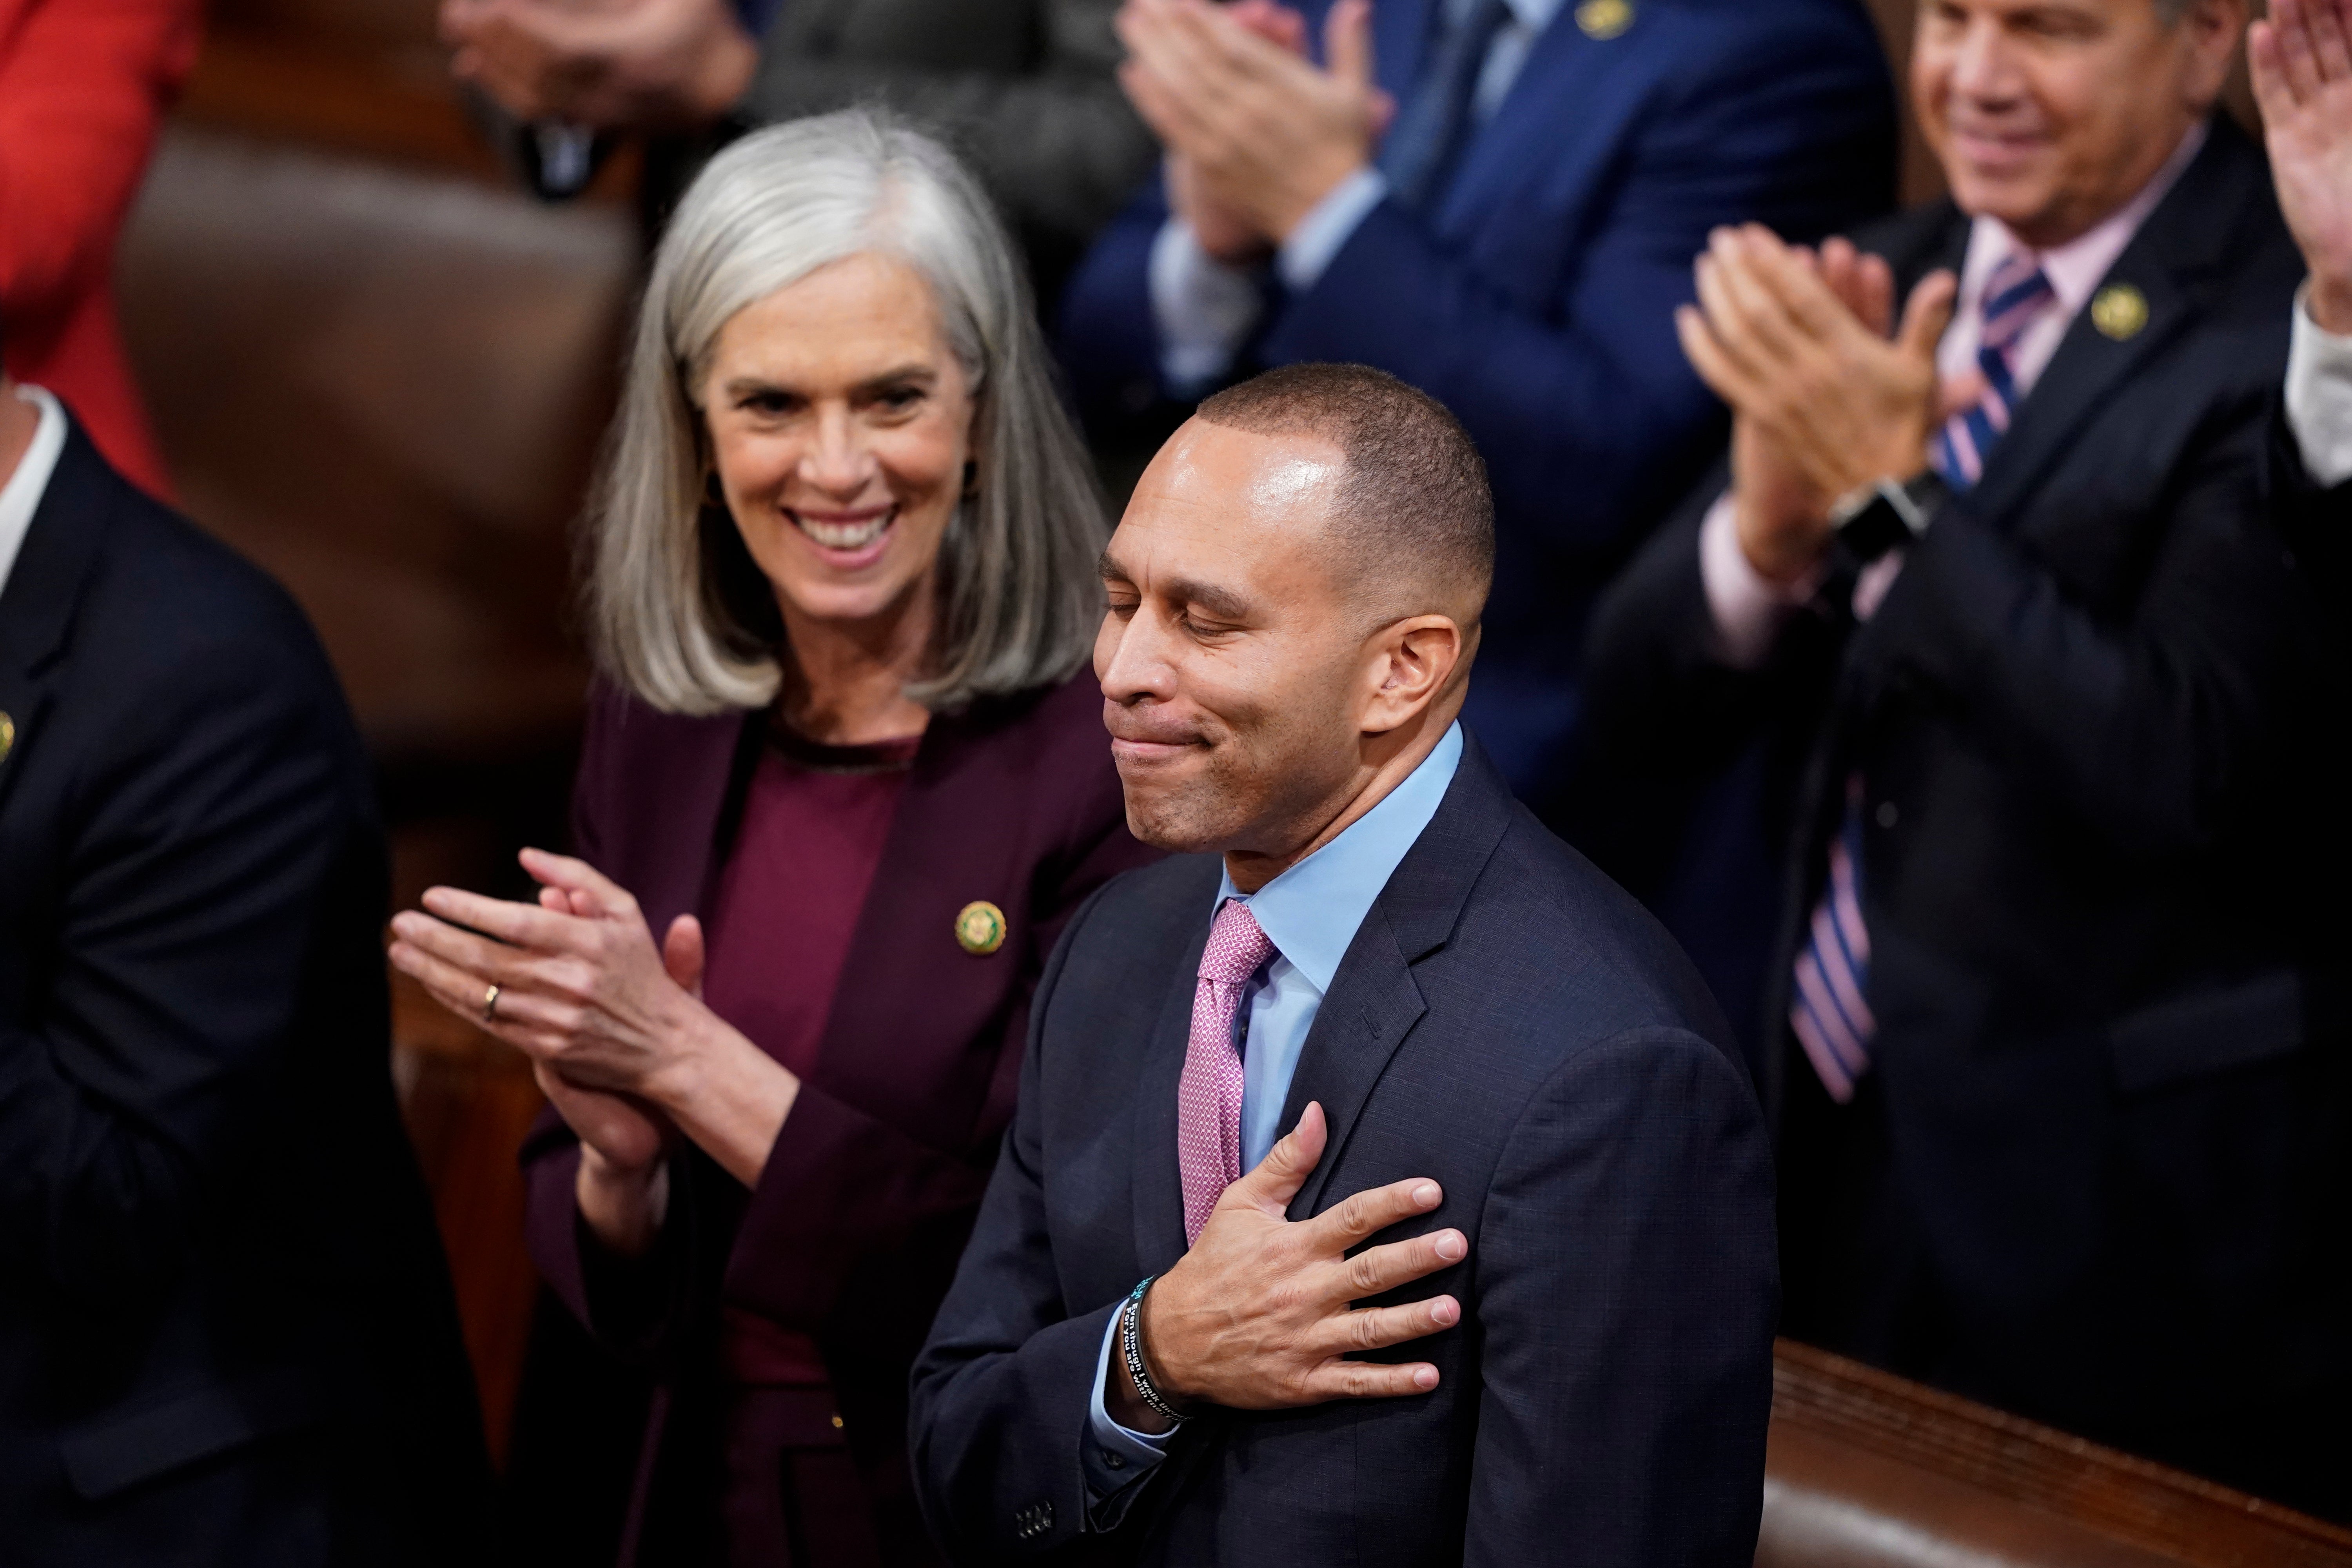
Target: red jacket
{"x":83,"y":85}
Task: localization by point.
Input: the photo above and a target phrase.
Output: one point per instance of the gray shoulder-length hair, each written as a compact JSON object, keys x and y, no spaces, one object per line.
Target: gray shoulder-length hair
{"x":680,"y":614}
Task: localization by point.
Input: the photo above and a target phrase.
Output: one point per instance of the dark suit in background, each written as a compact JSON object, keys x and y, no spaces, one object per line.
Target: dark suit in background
{"x":1022,"y":89}
{"x":226,"y":1334}
{"x":1535,"y":296}
{"x":1506,"y":1023}
{"x":2099,"y":1169}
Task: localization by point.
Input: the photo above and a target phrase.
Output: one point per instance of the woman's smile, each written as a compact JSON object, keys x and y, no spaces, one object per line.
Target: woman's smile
{"x":848,"y":539}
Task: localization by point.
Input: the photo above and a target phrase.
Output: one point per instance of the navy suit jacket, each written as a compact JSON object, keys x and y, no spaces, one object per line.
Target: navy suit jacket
{"x":1536,"y":298}
{"x":227,"y":1330}
{"x":1506,"y":1022}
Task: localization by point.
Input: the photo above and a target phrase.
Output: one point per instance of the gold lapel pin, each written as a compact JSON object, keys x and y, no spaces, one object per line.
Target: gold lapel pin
{"x":979,"y":928}
{"x":7,"y":736}
{"x":2119,"y":310}
{"x":1604,"y":19}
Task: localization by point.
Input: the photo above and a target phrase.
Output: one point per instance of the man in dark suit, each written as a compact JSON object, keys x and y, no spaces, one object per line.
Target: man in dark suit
{"x":226,"y":1333}
{"x":1499,"y":1076}
{"x":1513,"y":242}
{"x":2302,"y":58}
{"x":2058,"y":1056}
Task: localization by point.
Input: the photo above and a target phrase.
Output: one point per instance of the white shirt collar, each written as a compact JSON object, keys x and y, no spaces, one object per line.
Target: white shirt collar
{"x":20,"y":497}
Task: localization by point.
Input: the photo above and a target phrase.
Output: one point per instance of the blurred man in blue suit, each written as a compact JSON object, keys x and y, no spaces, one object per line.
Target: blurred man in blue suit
{"x":1497,"y":201}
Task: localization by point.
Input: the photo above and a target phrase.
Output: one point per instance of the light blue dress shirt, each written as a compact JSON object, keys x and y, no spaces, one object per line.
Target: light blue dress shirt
{"x":1310,"y":913}
{"x":1205,"y":309}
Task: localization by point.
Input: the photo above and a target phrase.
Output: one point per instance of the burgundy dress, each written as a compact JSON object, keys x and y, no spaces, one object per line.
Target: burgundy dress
{"x":837,"y":886}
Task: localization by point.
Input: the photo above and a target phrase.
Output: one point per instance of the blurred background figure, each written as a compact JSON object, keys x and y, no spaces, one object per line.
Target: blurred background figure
{"x":226,"y":1333}
{"x":1513,"y":242}
{"x":2054,"y":1050}
{"x":83,"y":89}
{"x":2303,"y":75}
{"x":1023,"y":89}
{"x":844,"y":584}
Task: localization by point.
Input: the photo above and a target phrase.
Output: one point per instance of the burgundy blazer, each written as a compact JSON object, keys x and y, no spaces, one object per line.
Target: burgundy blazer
{"x":853,"y":1232}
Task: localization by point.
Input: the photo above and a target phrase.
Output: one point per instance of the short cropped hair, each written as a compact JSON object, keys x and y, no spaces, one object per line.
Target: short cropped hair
{"x":679,"y":614}
{"x":1414,"y":513}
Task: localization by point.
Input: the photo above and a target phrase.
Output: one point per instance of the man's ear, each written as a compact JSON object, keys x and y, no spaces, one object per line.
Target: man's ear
{"x":1415,"y":660}
{"x":2212,"y":30}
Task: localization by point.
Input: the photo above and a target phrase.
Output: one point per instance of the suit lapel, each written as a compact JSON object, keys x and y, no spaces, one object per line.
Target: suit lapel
{"x":1374,"y":1000}
{"x":2089,"y":365}
{"x":1400,"y":30}
{"x":1158,"y":1183}
{"x":705,"y":772}
{"x":2168,"y":262}
{"x":61,"y":548}
{"x":1563,"y":65}
{"x":904,"y":969}
{"x":1373,"y":1004}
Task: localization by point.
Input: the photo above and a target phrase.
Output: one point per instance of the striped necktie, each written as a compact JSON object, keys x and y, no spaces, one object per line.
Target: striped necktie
{"x":1827,"y":1011}
{"x":2014,"y":297}
{"x":1829,"y":1008}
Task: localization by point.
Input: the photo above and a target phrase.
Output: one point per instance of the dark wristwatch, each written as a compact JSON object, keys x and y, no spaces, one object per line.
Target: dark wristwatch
{"x":1875,"y":520}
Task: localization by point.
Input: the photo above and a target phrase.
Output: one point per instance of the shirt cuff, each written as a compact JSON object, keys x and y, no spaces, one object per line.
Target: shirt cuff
{"x":1116,"y":1456}
{"x":2319,"y":395}
{"x":1204,"y":310}
{"x":1748,"y":608}
{"x":1308,"y":253}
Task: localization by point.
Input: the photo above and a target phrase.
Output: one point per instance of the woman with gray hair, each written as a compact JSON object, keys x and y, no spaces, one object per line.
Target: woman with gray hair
{"x":842,"y":571}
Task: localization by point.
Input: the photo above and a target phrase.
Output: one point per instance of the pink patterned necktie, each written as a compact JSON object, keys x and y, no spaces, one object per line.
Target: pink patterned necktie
{"x":1209,"y":1095}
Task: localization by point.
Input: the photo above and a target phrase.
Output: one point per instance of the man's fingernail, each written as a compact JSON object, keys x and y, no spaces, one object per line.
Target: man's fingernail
{"x":1444,"y":1311}
{"x":1451,"y":1246}
{"x":1427,"y":1195}
{"x":1425,"y":1377}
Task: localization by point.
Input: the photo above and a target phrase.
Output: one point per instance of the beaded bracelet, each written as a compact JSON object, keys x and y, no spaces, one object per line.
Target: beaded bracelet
{"x":1130,"y":1345}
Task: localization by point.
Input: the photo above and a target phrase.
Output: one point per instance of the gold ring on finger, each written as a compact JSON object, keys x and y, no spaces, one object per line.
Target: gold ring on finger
{"x":490,"y":1005}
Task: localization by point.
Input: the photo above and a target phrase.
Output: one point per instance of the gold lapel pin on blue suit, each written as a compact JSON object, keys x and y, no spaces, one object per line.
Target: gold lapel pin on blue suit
{"x":2119,"y":310}
{"x":7,"y":735}
{"x":979,"y":928}
{"x":1604,"y":19}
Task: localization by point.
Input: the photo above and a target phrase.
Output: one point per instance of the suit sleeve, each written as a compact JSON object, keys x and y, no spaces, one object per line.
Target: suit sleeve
{"x":1665,"y":715}
{"x":1627,"y":1285}
{"x":1059,"y":145}
{"x":2147,"y":726}
{"x":83,"y":85}
{"x":2316,"y":519}
{"x":208,"y":838}
{"x":1001,"y":1390}
{"x":625,"y":1303}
